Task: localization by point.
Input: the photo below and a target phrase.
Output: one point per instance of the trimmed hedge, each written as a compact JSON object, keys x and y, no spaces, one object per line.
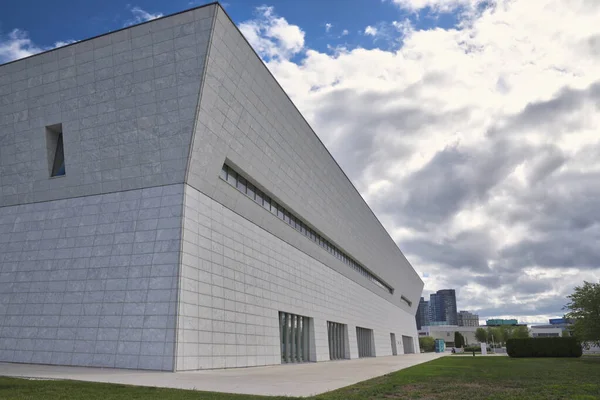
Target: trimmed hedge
{"x":544,"y":347}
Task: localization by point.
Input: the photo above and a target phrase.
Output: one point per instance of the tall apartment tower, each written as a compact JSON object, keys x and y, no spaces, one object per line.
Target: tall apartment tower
{"x":446,"y":306}
{"x":442,"y":307}
{"x":423,"y":318}
{"x":434,"y":314}
{"x":165,"y":206}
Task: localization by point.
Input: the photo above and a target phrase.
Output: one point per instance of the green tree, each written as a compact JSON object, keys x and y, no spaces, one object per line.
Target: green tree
{"x":456,"y":339}
{"x":584,"y":309}
{"x":507,"y":332}
{"x":495,"y":335}
{"x":427,"y":343}
{"x":481,"y":335}
{"x":520,"y":332}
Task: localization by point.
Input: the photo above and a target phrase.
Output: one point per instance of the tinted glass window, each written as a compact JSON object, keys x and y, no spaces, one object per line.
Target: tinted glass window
{"x":58,"y":167}
{"x":231,"y":177}
{"x":250,"y":191}
{"x":241,"y":184}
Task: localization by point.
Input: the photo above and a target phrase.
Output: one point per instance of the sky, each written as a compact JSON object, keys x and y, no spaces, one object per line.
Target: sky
{"x":470,"y":127}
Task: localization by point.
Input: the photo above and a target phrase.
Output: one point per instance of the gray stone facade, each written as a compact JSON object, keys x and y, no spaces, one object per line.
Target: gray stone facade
{"x":140,"y":256}
{"x":127,"y":102}
{"x":91,"y":280}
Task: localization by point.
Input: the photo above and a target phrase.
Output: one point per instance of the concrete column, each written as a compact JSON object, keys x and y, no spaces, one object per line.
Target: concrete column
{"x":306,"y":337}
{"x":360,"y":342}
{"x":298,"y":339}
{"x":339,"y":342}
{"x":330,"y":339}
{"x":288,"y":335}
{"x":282,"y":335}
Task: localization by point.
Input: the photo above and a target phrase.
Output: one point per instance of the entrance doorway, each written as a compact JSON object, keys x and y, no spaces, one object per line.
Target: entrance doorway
{"x":407,"y":343}
{"x":366,"y":344}
{"x":337,"y":335}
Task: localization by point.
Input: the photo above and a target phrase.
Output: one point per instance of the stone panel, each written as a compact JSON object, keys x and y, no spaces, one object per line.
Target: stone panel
{"x":236,"y":277}
{"x":91,"y":281}
{"x":126,"y":101}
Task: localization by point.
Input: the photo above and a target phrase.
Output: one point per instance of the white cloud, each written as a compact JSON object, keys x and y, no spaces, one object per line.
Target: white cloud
{"x":345,"y":32}
{"x":370,"y":30}
{"x":389,"y":35}
{"x":476,"y":146}
{"x":271,"y":36}
{"x":328,"y":27}
{"x":438,"y":5}
{"x":140,"y":16}
{"x":62,"y":43}
{"x":404,"y":27}
{"x":17,"y":44}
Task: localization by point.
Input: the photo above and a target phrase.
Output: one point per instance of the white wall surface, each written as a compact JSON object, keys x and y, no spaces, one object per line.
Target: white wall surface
{"x":89,"y":262}
{"x":535,"y":331}
{"x":447,"y":332}
{"x":235,"y":279}
{"x":245,"y":116}
{"x":127,"y":101}
{"x":91,"y":281}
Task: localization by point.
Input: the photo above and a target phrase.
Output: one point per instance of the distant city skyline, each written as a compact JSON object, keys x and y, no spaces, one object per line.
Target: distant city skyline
{"x":542,"y":319}
{"x":439,"y":310}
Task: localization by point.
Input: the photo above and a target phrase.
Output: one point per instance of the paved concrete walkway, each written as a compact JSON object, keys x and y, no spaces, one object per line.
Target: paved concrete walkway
{"x":277,"y":380}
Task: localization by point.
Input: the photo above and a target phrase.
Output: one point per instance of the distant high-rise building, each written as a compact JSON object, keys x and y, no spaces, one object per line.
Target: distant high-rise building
{"x":466,"y":318}
{"x":422,"y":315}
{"x":434,"y":315}
{"x":439,"y":310}
{"x":446,"y":306}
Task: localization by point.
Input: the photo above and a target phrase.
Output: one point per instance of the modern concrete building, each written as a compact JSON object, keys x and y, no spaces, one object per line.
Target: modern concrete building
{"x":556,"y":327}
{"x":164,"y":205}
{"x":466,"y":318}
{"x":546,"y":331}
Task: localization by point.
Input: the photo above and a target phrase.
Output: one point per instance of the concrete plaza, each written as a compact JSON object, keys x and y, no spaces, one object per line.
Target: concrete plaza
{"x":279,"y":380}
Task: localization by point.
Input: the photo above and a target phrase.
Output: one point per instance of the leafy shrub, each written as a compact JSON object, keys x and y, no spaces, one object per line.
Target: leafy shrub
{"x":544,"y":347}
{"x":427,"y":343}
{"x":459,"y":340}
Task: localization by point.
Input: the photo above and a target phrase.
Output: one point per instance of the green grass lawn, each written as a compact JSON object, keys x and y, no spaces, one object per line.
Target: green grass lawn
{"x":445,"y":378}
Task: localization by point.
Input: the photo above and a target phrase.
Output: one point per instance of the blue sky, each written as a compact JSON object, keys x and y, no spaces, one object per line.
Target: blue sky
{"x":68,"y":20}
{"x":470,"y":127}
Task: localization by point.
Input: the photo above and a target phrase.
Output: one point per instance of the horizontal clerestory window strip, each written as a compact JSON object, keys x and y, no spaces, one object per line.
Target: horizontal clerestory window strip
{"x":240,"y":183}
